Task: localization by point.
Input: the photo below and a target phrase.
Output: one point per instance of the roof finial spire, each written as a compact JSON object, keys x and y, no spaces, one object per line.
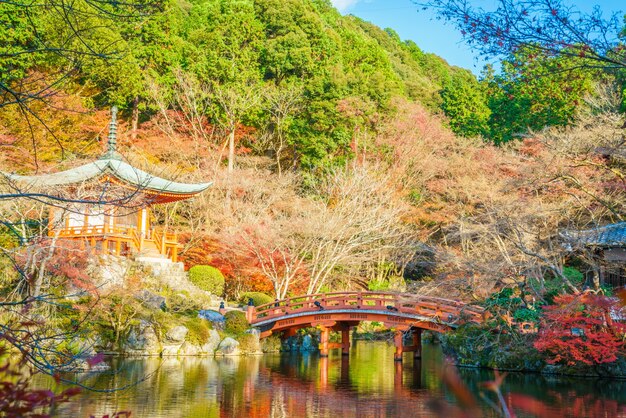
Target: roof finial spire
{"x":112,"y":142}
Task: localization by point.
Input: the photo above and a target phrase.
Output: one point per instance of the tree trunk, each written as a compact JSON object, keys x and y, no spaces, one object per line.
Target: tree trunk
{"x":42,"y":266}
{"x":231,"y":166}
{"x":135,"y":118}
{"x":231,"y":150}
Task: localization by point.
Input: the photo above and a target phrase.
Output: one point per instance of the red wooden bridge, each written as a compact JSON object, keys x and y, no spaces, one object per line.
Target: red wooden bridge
{"x":402,"y":312}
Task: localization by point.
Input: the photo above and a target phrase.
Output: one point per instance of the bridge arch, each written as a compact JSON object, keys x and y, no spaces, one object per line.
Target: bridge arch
{"x":342,"y":310}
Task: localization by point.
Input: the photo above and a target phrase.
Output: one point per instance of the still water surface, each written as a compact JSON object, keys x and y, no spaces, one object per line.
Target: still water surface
{"x":367,"y":384}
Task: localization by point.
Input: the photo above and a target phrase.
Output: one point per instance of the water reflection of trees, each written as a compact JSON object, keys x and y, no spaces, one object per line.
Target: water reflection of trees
{"x":369,"y":384}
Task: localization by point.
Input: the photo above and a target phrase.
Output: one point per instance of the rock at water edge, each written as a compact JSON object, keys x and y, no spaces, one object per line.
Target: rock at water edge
{"x":228,"y":347}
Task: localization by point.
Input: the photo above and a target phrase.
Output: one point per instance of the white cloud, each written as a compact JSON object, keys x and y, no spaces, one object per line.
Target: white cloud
{"x":344,"y":5}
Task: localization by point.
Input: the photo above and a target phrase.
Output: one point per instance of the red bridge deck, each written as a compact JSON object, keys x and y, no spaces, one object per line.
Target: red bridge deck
{"x":397,"y":310}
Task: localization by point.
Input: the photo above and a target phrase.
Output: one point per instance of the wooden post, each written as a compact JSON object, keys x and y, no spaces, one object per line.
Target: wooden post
{"x":118,"y":247}
{"x":250,"y":313}
{"x":397,"y":340}
{"x":345,"y":341}
{"x":175,"y":253}
{"x":324,"y":341}
{"x":85,"y":221}
{"x":417,"y":342}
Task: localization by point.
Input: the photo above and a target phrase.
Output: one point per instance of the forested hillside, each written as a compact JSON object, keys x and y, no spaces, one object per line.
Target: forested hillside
{"x":315,"y":76}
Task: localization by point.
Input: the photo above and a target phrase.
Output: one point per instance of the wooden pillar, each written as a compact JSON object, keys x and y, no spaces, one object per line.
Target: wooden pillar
{"x":345,"y":341}
{"x":397,"y":340}
{"x":175,"y":253}
{"x":51,"y":221}
{"x":324,"y":341}
{"x":118,"y":247}
{"x":140,"y":222}
{"x":417,"y":343}
{"x":147,"y":219}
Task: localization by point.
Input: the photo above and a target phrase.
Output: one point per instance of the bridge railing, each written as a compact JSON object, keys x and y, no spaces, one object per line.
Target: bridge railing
{"x":445,"y":310}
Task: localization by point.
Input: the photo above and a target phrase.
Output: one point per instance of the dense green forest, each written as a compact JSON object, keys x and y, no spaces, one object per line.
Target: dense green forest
{"x":309,"y":80}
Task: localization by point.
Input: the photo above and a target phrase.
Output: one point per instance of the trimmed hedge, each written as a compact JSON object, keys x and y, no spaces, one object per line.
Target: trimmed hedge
{"x":258,"y":298}
{"x":235,"y":322}
{"x":207,"y":278}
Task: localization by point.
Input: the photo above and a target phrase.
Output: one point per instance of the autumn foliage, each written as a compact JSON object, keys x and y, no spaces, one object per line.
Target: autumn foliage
{"x":578,"y":329}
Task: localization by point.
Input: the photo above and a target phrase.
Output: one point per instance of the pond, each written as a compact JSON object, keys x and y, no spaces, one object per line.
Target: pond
{"x":366,"y":384}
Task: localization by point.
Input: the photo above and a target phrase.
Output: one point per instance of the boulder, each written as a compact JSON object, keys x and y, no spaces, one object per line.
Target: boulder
{"x":188,"y":349}
{"x":211,"y":345}
{"x":142,"y":340}
{"x":177,"y":334}
{"x":151,"y":300}
{"x":171,"y":349}
{"x":228,"y":347}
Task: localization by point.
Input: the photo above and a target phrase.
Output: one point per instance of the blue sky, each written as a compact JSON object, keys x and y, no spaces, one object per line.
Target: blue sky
{"x":432,"y":35}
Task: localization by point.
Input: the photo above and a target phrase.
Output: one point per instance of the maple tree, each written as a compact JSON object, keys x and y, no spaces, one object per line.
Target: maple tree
{"x":578,"y":329}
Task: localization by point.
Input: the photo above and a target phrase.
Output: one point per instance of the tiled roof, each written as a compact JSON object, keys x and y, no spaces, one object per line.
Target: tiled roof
{"x":613,"y":235}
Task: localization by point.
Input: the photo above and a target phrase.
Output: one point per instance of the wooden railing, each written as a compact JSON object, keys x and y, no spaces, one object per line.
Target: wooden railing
{"x":445,"y":310}
{"x":137,"y":239}
{"x":166,"y":242}
{"x":158,"y":241}
{"x":88,"y":230}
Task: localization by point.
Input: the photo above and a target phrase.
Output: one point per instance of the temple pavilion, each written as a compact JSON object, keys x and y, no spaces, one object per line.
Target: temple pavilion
{"x":107,"y":204}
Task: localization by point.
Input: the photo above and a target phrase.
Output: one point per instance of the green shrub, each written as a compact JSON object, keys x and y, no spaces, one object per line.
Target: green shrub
{"x":235,"y":322}
{"x":526,"y":315}
{"x":249,"y":344}
{"x":182,"y":303}
{"x":574,"y":276}
{"x":271,"y":344}
{"x":207,"y":278}
{"x":258,"y":298}
{"x":198,"y":330}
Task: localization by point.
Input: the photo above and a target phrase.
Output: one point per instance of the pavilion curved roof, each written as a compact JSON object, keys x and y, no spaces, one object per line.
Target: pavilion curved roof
{"x":115,"y":168}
